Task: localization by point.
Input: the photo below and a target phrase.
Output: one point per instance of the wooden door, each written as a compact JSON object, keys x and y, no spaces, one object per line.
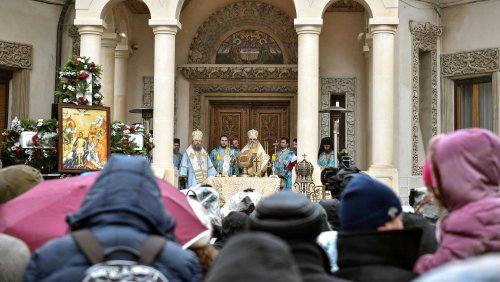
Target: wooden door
{"x":271,"y":119}
{"x":5,"y":77}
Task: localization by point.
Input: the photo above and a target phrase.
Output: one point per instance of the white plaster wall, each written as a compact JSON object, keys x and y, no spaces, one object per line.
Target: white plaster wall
{"x":472,"y":26}
{"x":416,"y":11}
{"x":140,"y":63}
{"x":341,"y":56}
{"x":34,"y":23}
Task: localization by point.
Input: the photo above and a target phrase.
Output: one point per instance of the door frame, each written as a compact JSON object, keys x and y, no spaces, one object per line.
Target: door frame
{"x":208,"y":98}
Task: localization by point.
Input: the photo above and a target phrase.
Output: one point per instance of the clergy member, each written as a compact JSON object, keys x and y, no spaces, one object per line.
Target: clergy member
{"x":224,"y":158}
{"x":283,"y":165}
{"x":259,"y":155}
{"x":196,"y":164}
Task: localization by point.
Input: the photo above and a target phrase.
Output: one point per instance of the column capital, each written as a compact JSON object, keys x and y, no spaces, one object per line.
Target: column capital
{"x":308,"y":25}
{"x":383,"y":25}
{"x":91,"y":29}
{"x":109,"y":39}
{"x":165,"y":29}
{"x":122,"y":51}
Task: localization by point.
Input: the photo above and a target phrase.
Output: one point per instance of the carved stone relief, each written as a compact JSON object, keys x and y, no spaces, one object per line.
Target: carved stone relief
{"x":339,"y":85}
{"x":472,"y":62}
{"x":147,"y":91}
{"x":75,"y":36}
{"x":266,"y":72}
{"x":16,"y":55}
{"x":199,"y":90}
{"x":424,"y":38}
{"x":245,"y":14}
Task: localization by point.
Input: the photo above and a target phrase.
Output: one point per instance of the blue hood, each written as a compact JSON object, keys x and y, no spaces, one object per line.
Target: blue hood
{"x":125,"y":193}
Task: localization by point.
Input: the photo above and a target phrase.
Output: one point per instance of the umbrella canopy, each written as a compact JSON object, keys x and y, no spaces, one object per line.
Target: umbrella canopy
{"x":39,"y":215}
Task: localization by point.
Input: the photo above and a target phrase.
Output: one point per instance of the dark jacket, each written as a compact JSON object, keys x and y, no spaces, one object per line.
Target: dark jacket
{"x":312,"y":261}
{"x":122,"y":208}
{"x":374,"y":256}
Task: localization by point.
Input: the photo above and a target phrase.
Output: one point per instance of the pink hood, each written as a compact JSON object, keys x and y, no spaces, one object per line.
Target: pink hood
{"x":465,"y":166}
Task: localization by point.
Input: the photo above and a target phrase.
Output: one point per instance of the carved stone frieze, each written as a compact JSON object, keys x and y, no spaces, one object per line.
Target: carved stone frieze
{"x":199,"y":90}
{"x":16,"y":55}
{"x":472,"y":62}
{"x":261,"y":72}
{"x":339,"y":86}
{"x":424,"y":38}
{"x":147,"y":91}
{"x":75,"y":36}
{"x":248,"y":14}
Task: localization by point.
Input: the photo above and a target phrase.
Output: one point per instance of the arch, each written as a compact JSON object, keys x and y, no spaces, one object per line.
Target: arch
{"x":246,"y":14}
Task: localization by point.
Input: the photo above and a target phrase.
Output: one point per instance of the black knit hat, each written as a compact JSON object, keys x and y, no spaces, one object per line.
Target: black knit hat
{"x":289,"y":215}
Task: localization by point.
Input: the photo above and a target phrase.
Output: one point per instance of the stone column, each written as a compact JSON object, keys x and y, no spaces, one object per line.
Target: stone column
{"x":120,"y":90}
{"x":308,"y":91}
{"x":164,"y":93}
{"x":108,"y":45}
{"x":90,"y":42}
{"x":382,"y":106}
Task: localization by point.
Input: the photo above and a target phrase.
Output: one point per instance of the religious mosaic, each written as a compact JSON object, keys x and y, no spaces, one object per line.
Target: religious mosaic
{"x":249,"y":47}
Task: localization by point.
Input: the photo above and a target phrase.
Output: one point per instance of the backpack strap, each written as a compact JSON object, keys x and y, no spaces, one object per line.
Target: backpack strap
{"x":153,"y":245}
{"x":89,"y":245}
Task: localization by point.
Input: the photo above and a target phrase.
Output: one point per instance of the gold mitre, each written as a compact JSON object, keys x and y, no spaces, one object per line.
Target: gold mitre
{"x":197,"y":135}
{"x":252,"y":133}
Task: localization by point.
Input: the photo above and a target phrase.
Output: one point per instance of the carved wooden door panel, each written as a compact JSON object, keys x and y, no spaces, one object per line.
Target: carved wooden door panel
{"x":272,"y":122}
{"x":270,"y":119}
{"x":231,"y":120}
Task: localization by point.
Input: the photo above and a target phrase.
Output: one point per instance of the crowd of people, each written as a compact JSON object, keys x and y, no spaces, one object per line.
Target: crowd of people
{"x":361,"y":234}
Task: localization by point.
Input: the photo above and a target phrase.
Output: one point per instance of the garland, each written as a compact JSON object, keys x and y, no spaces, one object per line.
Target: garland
{"x":122,"y":139}
{"x":79,"y":82}
{"x":43,"y":153}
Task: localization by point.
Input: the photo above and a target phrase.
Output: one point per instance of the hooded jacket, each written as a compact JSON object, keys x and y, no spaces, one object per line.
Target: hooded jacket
{"x":465,"y":172}
{"x":122,"y":208}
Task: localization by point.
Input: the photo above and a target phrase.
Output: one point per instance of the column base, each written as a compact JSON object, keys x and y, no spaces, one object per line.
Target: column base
{"x":386,"y":174}
{"x":169,"y":174}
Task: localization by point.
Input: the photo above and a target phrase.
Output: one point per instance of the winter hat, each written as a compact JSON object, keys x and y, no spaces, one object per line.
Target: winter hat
{"x":254,"y":256}
{"x":289,"y":215}
{"x":17,"y":179}
{"x":367,"y":204}
{"x":426,"y":174}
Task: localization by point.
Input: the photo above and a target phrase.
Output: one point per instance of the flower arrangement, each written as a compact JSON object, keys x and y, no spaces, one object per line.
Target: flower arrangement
{"x":122,"y":139}
{"x":41,"y":152}
{"x":79,"y":82}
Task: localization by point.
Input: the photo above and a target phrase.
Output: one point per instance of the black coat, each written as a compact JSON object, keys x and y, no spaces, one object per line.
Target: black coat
{"x":312,"y":261}
{"x":122,"y":208}
{"x":375,"y":256}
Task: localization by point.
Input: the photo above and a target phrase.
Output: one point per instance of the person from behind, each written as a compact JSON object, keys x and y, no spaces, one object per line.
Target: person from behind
{"x":295,"y":219}
{"x":372,"y":245}
{"x":122,"y":208}
{"x":14,"y":256}
{"x":256,"y":256}
{"x":17,"y":179}
{"x":235,"y":222}
{"x":463,"y":172}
